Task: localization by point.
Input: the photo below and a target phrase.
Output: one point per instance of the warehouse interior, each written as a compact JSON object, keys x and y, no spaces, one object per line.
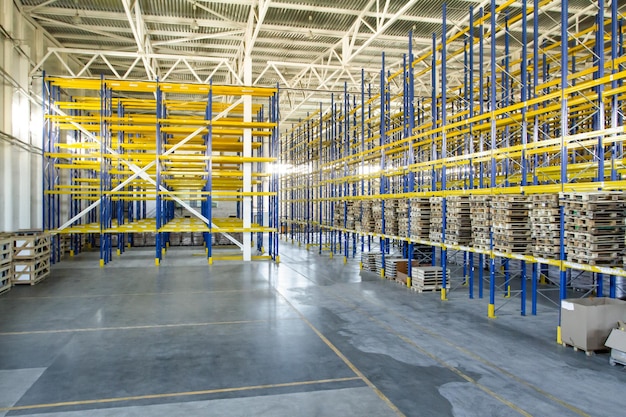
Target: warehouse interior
{"x":278,"y":208}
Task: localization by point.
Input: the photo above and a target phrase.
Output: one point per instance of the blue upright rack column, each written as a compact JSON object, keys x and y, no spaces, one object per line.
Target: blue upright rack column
{"x":491,"y":310}
{"x":523,"y":99}
{"x":208,"y":187}
{"x":444,"y":250}
{"x":159,"y":150}
{"x":410,"y":126}
{"x":564,"y":130}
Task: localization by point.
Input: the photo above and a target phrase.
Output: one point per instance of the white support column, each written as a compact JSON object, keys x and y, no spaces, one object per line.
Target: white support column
{"x":247,"y":152}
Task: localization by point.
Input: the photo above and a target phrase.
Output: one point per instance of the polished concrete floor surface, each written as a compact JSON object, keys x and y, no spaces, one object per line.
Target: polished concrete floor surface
{"x":308,"y":337}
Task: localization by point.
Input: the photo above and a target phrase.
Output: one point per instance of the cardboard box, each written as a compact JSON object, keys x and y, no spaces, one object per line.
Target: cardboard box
{"x":587,"y":322}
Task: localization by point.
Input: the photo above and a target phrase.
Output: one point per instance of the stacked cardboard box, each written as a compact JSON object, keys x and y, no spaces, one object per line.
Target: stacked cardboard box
{"x":511,"y":223}
{"x":594,"y":227}
{"x":31,"y":257}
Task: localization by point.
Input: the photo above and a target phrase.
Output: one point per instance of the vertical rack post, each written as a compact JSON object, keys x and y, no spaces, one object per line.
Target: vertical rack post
{"x":444,"y":103}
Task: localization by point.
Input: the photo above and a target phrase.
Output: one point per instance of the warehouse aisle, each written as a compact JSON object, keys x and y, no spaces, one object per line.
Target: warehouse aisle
{"x":308,"y":337}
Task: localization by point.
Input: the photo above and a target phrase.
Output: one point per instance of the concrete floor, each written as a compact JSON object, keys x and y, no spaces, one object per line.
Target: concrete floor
{"x":308,"y":337}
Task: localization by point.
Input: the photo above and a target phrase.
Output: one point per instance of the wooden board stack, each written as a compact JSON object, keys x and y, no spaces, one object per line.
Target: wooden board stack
{"x":391,"y":216}
{"x":420,"y":218}
{"x":402,"y":213}
{"x":480,"y":210}
{"x":511,"y":223}
{"x":545,"y":230}
{"x":594,"y":227}
{"x":436,"y":219}
{"x":6,"y":266}
{"x":31,"y":257}
{"x":368,"y":260}
{"x":427,"y":278}
{"x":458,"y":221}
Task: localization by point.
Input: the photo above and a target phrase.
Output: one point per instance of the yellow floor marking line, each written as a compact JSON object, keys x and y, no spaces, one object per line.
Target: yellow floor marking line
{"x":176,"y":394}
{"x":149,"y":326}
{"x":344,"y":358}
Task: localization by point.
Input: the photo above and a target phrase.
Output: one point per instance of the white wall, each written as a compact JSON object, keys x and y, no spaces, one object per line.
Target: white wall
{"x":21,"y":120}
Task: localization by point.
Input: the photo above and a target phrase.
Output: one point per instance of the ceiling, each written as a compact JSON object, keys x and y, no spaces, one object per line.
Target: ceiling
{"x":308,"y":47}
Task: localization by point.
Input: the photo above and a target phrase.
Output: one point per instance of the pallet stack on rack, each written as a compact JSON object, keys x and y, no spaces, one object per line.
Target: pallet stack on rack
{"x":458,"y":221}
{"x":351,"y":214}
{"x":402,"y":213}
{"x":427,"y":278}
{"x":545,"y":225}
{"x":391,"y":217}
{"x":511,"y":223}
{"x":338,"y":214}
{"x":436,"y":219}
{"x":6,"y":266}
{"x":354,"y":215}
{"x":368,"y":222}
{"x":420,"y":218}
{"x":594,"y":227}
{"x":31,"y":257}
{"x":377,"y":214}
{"x":480,"y":209}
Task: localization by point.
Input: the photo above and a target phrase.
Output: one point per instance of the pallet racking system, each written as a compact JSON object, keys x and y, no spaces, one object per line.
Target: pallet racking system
{"x":112,"y":148}
{"x":485,"y":112}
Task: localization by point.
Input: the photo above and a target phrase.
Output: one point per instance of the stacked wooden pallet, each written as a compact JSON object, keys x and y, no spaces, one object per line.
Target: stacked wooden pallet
{"x":354,"y":213}
{"x":31,"y":257}
{"x":545,"y":230}
{"x":377,"y":214}
{"x":402,"y":213}
{"x":480,"y":210}
{"x":511,"y":223}
{"x":420,"y":218}
{"x":458,"y":221}
{"x":393,"y":266}
{"x":368,"y":260}
{"x":367,"y":219}
{"x":594,"y":227}
{"x":391,"y":216}
{"x":436,"y":219}
{"x":6,"y":266}
{"x":338,"y":214}
{"x":427,"y":278}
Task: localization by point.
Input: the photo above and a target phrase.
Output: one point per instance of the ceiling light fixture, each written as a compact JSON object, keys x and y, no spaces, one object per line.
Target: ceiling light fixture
{"x":76,"y":19}
{"x":194,"y":25}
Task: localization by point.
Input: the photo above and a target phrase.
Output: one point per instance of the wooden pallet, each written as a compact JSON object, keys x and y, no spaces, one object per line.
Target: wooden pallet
{"x":30,"y":272}
{"x":6,"y":250}
{"x":6,"y":277}
{"x":30,"y":246}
